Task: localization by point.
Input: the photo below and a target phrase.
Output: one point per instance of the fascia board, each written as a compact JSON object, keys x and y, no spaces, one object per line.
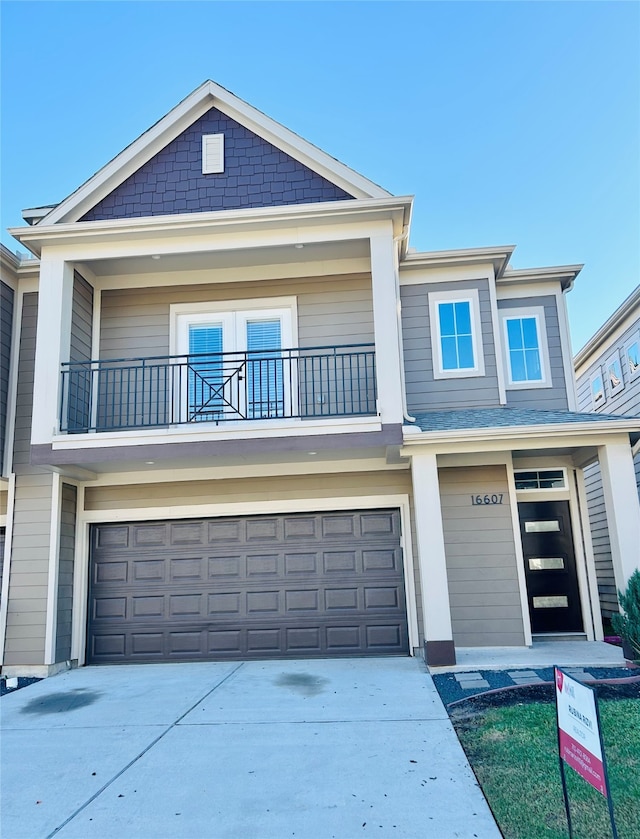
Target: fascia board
{"x":565,"y":274}
{"x":521,"y":432}
{"x":181,"y":117}
{"x":619,"y":322}
{"x":297,"y":147}
{"x":299,"y":215}
{"x":499,"y":257}
{"x":131,"y":158}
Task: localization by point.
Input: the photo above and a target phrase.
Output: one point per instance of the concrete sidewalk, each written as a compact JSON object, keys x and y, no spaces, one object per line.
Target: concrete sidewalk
{"x":261,"y":750}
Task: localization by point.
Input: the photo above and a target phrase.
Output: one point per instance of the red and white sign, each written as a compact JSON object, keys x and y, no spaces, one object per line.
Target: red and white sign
{"x":579,"y":734}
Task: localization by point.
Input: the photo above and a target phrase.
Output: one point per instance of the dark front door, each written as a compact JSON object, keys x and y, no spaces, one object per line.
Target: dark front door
{"x":550,"y":566}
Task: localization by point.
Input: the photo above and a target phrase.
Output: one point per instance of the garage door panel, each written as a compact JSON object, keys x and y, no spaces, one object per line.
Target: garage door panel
{"x":341,"y":590}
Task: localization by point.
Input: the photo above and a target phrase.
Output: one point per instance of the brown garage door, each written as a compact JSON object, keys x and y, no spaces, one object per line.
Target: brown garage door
{"x":300,"y":585}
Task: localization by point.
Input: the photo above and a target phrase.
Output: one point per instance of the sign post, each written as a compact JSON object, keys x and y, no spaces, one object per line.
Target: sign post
{"x":580,"y":739}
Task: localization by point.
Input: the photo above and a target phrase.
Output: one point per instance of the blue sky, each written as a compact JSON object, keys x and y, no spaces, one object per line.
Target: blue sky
{"x":511,"y":122}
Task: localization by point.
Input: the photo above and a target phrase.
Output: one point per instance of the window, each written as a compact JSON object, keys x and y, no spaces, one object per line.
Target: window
{"x":598,"y":397}
{"x":212,"y":154}
{"x":632,"y":357}
{"x":456,"y":334}
{"x":540,"y":479}
{"x":525,"y":348}
{"x":615,"y":379}
{"x":230,"y":363}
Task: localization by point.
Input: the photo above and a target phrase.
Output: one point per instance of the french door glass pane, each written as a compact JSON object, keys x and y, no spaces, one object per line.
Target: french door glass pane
{"x":265,"y":375}
{"x":206,"y":374}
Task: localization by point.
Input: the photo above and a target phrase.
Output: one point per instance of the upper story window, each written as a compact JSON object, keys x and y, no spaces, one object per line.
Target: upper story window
{"x":456,"y":339}
{"x":615,"y":379}
{"x":525,"y":348}
{"x":632,"y":357}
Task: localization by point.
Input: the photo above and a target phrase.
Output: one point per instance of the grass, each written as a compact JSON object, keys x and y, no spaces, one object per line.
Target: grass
{"x":514,"y":753}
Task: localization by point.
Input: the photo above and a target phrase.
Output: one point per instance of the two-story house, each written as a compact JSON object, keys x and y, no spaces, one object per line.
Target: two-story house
{"x":246,"y":421}
{"x":608,"y":381}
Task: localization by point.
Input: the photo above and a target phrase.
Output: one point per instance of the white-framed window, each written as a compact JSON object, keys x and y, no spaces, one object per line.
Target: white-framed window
{"x":231,"y":363}
{"x":525,"y":348}
{"x":540,"y":480}
{"x":632,"y":357}
{"x":212,"y":154}
{"x":456,"y":335}
{"x":613,"y":374}
{"x":598,"y":396}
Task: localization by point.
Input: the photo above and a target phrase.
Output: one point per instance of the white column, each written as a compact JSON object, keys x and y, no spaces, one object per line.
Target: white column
{"x":55,"y":300}
{"x":622,"y":508}
{"x":436,"y":610}
{"x":385,"y":324}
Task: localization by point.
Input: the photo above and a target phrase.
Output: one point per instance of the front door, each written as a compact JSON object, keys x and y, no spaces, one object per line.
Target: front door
{"x":550,"y":566}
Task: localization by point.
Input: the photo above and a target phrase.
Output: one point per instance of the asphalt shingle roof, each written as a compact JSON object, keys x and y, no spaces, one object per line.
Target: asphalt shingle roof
{"x":504,"y":418}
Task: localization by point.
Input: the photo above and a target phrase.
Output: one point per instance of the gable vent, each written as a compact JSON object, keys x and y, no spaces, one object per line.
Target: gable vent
{"x":212,"y":154}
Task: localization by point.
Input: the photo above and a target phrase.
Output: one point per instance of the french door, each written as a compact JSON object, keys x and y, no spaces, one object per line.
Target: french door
{"x":235,"y":367}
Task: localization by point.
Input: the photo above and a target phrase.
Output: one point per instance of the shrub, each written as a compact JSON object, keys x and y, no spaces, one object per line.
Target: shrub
{"x":627,"y":624}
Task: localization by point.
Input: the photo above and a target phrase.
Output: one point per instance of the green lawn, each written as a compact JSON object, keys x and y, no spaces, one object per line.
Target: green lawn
{"x":514,"y":753}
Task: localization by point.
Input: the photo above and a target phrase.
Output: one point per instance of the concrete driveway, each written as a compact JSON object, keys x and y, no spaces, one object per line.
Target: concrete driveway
{"x":259,"y":750}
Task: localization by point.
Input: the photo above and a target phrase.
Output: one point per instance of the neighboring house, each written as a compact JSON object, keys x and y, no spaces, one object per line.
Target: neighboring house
{"x":608,"y":381}
{"x":251,"y":422}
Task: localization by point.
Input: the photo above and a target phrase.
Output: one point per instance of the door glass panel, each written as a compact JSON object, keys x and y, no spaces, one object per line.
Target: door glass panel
{"x":551,"y":602}
{"x":265,"y":379}
{"x":546,"y":563}
{"x":205,"y":380}
{"x":541,"y":526}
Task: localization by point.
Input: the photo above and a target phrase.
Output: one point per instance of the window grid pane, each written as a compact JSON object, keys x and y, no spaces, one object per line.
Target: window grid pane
{"x":456,"y":336}
{"x":524,"y":350}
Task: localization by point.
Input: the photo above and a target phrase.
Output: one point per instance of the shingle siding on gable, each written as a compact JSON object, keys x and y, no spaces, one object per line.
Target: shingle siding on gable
{"x":256,"y":174}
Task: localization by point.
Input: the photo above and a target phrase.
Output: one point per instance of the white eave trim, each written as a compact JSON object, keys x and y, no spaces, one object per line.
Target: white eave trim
{"x":564,"y":274}
{"x":397,"y":209}
{"x":498,"y":256}
{"x":413,"y":436}
{"x":195,"y":105}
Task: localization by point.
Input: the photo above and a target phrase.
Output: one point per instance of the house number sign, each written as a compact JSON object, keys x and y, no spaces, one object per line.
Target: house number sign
{"x":487,"y":500}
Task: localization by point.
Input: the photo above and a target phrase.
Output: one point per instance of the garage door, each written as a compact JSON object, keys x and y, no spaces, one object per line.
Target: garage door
{"x":299,"y":585}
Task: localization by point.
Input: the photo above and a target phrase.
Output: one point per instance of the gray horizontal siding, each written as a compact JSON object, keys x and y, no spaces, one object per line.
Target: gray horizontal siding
{"x":627,"y":401}
{"x":624,"y":403}
{"x":6,"y":328}
{"x":555,"y":397}
{"x":423,"y":391}
{"x":27,"y":602}
{"x":81,"y":319}
{"x":484,"y":591}
{"x":135,"y":322}
{"x":24,"y":395}
{"x":65,"y":571}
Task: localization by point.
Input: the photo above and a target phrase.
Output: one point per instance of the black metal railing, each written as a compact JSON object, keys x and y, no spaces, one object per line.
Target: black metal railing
{"x":129,"y":393}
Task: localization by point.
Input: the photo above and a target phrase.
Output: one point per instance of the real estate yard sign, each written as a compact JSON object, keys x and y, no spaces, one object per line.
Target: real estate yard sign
{"x":579,"y":738}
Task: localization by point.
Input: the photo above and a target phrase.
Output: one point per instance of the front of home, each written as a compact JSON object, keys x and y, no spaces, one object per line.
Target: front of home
{"x":245,"y":420}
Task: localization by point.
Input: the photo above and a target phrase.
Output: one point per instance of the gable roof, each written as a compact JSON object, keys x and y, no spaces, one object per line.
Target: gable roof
{"x":191,"y":108}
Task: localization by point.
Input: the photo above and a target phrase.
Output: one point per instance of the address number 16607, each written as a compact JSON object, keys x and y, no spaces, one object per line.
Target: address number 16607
{"x":483,"y":500}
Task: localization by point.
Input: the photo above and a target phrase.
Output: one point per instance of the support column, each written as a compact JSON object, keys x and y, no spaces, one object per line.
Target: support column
{"x":436,"y":610}
{"x":385,"y":322}
{"x":622,"y":509}
{"x":55,"y":302}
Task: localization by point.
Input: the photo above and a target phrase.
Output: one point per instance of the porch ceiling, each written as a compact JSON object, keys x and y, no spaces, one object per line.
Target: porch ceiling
{"x":306,"y":255}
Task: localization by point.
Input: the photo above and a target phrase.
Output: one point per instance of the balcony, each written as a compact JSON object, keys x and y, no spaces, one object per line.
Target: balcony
{"x":165,"y":391}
